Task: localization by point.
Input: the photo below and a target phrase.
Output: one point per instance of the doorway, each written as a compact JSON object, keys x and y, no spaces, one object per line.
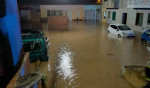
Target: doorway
{"x":98,"y":14}
{"x":124,"y":18}
{"x":69,"y":14}
{"x":139,"y":19}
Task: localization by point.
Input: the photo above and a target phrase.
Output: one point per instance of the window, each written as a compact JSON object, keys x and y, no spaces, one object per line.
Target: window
{"x":114,"y":26}
{"x":114,"y":16}
{"x":54,"y":12}
{"x":37,"y":46}
{"x":104,"y":14}
{"x":109,"y":14}
{"x":139,"y":19}
{"x":124,"y":27}
{"x":148,"y":21}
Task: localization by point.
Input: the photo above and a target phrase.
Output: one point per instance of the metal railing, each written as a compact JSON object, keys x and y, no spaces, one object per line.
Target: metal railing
{"x":24,"y":78}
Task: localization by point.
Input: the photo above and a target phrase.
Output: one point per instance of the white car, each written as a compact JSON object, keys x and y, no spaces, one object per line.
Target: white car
{"x":121,"y":30}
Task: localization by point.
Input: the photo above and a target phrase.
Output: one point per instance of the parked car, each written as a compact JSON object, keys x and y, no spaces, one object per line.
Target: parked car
{"x":146,"y":36}
{"x":36,"y":44}
{"x":121,"y":30}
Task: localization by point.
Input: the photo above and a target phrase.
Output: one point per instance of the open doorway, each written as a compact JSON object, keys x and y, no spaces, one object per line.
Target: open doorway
{"x":139,"y":19}
{"x":98,"y":14}
{"x":124,"y":18}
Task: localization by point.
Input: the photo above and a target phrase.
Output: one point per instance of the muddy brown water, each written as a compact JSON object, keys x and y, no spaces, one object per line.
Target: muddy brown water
{"x":96,"y":57}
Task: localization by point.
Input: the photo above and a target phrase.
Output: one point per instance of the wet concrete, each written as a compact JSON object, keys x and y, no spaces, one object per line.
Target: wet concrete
{"x":97,"y":57}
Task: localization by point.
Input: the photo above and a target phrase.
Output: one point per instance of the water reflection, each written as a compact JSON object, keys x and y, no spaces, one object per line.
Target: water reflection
{"x":104,"y":29}
{"x":112,"y":36}
{"x":65,"y":67}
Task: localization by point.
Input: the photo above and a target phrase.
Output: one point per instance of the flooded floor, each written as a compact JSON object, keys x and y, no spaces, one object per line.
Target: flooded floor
{"x":84,"y":55}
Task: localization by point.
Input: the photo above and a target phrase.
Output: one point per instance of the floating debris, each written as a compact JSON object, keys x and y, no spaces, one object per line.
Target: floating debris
{"x":110,"y":54}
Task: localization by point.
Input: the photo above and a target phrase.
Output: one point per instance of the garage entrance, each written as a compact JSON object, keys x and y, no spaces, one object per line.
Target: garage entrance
{"x":90,"y":15}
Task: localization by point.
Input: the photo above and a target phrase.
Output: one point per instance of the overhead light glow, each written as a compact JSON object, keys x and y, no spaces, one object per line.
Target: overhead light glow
{"x":98,"y":1}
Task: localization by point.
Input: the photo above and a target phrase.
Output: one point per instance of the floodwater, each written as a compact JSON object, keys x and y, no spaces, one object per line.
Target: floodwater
{"x":84,"y":55}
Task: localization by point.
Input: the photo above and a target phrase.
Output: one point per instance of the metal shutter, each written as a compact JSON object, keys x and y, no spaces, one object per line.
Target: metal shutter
{"x":90,"y":15}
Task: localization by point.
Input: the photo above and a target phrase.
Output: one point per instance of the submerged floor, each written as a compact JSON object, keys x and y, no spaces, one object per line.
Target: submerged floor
{"x":84,"y":55}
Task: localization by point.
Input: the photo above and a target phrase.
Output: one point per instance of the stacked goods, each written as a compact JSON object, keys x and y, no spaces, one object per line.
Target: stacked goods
{"x":58,"y":20}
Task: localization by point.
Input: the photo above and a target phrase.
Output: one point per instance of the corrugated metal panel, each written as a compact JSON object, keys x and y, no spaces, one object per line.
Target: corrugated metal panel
{"x":90,"y":15}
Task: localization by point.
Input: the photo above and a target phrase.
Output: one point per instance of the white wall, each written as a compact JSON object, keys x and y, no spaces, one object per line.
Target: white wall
{"x":123,"y":4}
{"x":138,"y":3}
{"x":108,"y":4}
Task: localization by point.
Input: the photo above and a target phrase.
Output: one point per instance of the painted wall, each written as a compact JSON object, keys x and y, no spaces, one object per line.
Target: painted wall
{"x":93,"y":7}
{"x":10,"y":26}
{"x":43,"y":13}
{"x":104,"y":10}
{"x":122,"y":4}
{"x":74,"y":14}
{"x":82,"y":14}
{"x":138,"y":3}
{"x":108,"y":4}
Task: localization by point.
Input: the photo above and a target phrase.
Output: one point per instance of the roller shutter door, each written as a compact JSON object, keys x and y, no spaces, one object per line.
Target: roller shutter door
{"x":90,"y":15}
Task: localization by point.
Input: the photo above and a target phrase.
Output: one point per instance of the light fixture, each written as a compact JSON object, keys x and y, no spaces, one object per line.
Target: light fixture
{"x":98,"y":1}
